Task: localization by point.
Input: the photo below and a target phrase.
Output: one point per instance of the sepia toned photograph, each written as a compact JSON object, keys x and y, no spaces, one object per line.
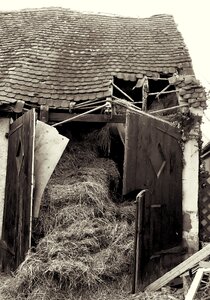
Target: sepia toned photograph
{"x":104,"y":150}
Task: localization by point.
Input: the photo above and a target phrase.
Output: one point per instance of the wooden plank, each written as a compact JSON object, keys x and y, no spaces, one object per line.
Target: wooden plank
{"x":44,"y":113}
{"x":155,"y":227}
{"x":19,"y":190}
{"x":130,"y":156}
{"x":138,"y":250}
{"x":180,"y":269}
{"x":142,"y":168}
{"x":12,"y":130}
{"x":195,"y":285}
{"x":121,"y":91}
{"x":152,"y":160}
{"x":172,"y":131}
{"x":101,"y":118}
{"x":168,"y":92}
{"x":168,"y":109}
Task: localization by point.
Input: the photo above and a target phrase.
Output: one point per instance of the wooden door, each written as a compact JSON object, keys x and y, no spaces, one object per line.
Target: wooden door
{"x":153,"y":161}
{"x":17,"y":221}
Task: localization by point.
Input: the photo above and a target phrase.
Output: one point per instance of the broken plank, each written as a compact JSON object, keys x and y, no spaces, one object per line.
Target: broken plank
{"x":180,"y":269}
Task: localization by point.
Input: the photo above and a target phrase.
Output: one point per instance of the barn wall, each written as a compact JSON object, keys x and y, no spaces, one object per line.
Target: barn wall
{"x":190,"y":195}
{"x":4,"y":128}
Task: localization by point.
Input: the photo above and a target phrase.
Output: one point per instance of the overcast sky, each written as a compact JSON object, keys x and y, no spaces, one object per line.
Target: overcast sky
{"x":191,"y":16}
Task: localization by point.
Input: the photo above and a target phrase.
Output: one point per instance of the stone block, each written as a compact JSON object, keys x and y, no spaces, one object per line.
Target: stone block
{"x":182,"y":101}
{"x":195,"y":95}
{"x":195,"y":104}
{"x":189,"y":87}
{"x":188,"y":79}
{"x":203,"y":104}
{"x":199,"y":89}
{"x":187,"y":96}
{"x":182,"y":92}
{"x":192,"y":100}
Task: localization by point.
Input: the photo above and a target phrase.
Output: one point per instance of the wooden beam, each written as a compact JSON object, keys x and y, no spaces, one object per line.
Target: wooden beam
{"x":145,"y":93}
{"x":180,"y":269}
{"x":168,"y":92}
{"x":121,"y":91}
{"x":195,"y":284}
{"x":101,"y":118}
{"x":168,"y":109}
{"x":140,"y":199}
{"x":44,"y":113}
{"x":163,"y":90}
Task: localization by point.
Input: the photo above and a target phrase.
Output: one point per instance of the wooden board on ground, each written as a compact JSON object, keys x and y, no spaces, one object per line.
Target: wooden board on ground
{"x":195,"y":284}
{"x":180,"y":269}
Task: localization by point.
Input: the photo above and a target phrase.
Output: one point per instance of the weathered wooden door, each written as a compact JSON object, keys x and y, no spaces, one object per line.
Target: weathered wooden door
{"x":19,"y":190}
{"x":153,"y":161}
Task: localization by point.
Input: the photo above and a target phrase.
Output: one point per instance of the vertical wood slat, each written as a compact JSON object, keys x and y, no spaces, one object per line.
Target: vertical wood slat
{"x":19,"y":190}
{"x":138,"y":242}
{"x":129,"y":165}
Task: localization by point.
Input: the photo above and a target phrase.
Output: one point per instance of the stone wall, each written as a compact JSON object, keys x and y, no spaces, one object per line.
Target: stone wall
{"x":189,"y":90}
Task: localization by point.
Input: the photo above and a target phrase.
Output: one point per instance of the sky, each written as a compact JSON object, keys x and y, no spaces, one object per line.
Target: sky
{"x":191,"y":16}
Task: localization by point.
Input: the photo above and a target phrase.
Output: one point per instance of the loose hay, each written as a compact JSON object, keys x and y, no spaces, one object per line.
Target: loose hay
{"x":87,"y":238}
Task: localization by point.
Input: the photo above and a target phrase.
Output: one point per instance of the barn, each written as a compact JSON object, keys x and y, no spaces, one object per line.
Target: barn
{"x":68,"y":69}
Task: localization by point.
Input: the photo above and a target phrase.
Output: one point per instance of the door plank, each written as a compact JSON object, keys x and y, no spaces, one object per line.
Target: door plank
{"x":17,"y":219}
{"x":153,"y":161}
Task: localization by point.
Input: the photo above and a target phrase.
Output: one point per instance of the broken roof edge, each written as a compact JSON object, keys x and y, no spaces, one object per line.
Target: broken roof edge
{"x":100,"y":13}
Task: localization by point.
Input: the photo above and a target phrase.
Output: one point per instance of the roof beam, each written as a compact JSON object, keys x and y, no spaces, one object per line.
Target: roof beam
{"x":55,"y":117}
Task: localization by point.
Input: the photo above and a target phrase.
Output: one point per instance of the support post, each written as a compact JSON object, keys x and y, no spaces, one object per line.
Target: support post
{"x":138,"y":242}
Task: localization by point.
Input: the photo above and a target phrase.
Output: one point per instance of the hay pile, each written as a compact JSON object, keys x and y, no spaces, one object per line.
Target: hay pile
{"x":88,"y":238}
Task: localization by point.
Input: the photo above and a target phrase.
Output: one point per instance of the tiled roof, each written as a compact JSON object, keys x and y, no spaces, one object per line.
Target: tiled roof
{"x":57,"y":55}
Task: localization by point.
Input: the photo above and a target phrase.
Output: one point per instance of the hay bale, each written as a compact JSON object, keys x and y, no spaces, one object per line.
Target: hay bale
{"x":88,"y":239}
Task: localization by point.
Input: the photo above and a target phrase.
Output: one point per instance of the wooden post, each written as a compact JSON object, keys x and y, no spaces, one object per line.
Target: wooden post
{"x":195,"y":284}
{"x":44,"y":113}
{"x":138,"y":243}
{"x":145,"y":90}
